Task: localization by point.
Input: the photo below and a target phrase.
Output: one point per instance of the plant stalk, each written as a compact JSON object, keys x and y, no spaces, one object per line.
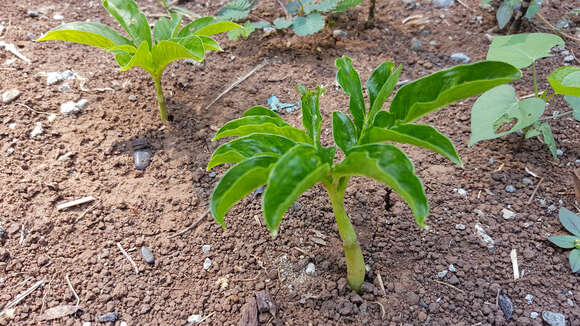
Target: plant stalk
{"x":355,"y":265}
{"x":160,"y":97}
{"x":535,"y":78}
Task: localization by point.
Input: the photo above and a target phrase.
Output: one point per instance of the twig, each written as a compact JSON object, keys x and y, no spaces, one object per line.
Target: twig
{"x":515,"y":266}
{"x":73,"y":290}
{"x":85,"y":212}
{"x":535,"y":190}
{"x":45,"y":292}
{"x":75,"y":202}
{"x":206,"y":317}
{"x":21,"y":235}
{"x":236,"y":83}
{"x":575,"y":58}
{"x":128,"y":257}
{"x":189,"y":227}
{"x":22,"y":296}
{"x":555,"y":29}
{"x":449,"y":285}
{"x":288,"y":17}
{"x":463,"y":4}
{"x":383,"y":312}
{"x":31,"y":109}
{"x":381,"y":285}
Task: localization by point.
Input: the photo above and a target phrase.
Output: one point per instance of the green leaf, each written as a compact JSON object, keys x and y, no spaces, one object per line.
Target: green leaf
{"x":247,"y":29}
{"x":165,"y":29}
{"x":123,"y":58}
{"x":88,"y":33}
{"x":389,"y":165}
{"x":533,"y":8}
{"x":166,"y":52}
{"x":437,"y":90}
{"x":311,"y":117}
{"x":262,"y":24}
{"x":242,"y":148}
{"x":217,"y":28}
{"x":236,"y":10}
{"x":261,"y":124}
{"x":575,"y":260}
{"x":418,"y":135}
{"x":142,"y":58}
{"x":321,"y":6}
{"x":209,"y":44}
{"x":549,"y":138}
{"x":499,"y":108}
{"x":345,"y":5}
{"x":563,"y":241}
{"x":386,"y":90}
{"x":294,"y":173}
{"x":184,"y":12}
{"x":533,"y":130}
{"x":347,"y":77}
{"x":384,"y":119}
{"x":485,"y":2}
{"x":194,"y":45}
{"x":504,"y":13}
{"x":238,"y":182}
{"x":565,"y":80}
{"x":195,"y":26}
{"x":308,"y":25}
{"x":260,"y":110}
{"x":343,"y":130}
{"x":281,"y":23}
{"x":134,"y":22}
{"x":574,"y":102}
{"x":377,"y":79}
{"x":570,"y":221}
{"x":521,"y":50}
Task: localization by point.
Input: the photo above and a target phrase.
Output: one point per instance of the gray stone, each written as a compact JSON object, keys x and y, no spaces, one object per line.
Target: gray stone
{"x":58,"y":17}
{"x":452,"y":268}
{"x":460,"y":227}
{"x":558,"y":48}
{"x":194,"y":319}
{"x":142,"y":158}
{"x":10,"y":95}
{"x":569,"y":58}
{"x":409,"y":4}
{"x":534,"y":315}
{"x":462,"y":192}
{"x":442,"y":274}
{"x":82,"y":103}
{"x":570,"y":302}
{"x":69,"y":108}
{"x":339,"y":33}
{"x":147,"y":255}
{"x":205,"y":248}
{"x":212,"y":174}
{"x":87,"y":323}
{"x":485,"y":238}
{"x":123,"y":323}
{"x":416,"y":44}
{"x":110,"y":317}
{"x":460,"y":57}
{"x":552,"y":208}
{"x":207,"y":264}
{"x":527,"y":181}
{"x":529,"y":298}
{"x":554,"y":318}
{"x":491,"y":161}
{"x":507,"y":214}
{"x":510,"y":188}
{"x":37,"y":131}
{"x":506,"y":306}
{"x":559,"y":152}
{"x":32,"y":13}
{"x":443,"y":3}
{"x":310,"y":269}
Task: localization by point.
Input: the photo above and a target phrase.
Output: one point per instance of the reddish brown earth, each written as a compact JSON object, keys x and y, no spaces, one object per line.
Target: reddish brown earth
{"x":136,"y":208}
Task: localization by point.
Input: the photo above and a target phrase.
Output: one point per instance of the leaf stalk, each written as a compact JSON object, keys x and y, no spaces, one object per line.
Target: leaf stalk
{"x":160,"y":97}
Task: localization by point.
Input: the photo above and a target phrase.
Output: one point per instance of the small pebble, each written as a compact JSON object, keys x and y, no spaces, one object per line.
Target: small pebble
{"x":132,"y":98}
{"x":123,"y":323}
{"x":87,"y":323}
{"x":69,"y":108}
{"x":443,"y":3}
{"x":212,"y":174}
{"x":529,"y":298}
{"x":452,"y":268}
{"x":416,"y":44}
{"x":32,"y":13}
{"x":339,"y":33}
{"x":147,"y":255}
{"x":559,"y":152}
{"x":310,"y":269}
{"x":527,"y":181}
{"x":534,"y":315}
{"x":423,"y":304}
{"x":506,"y":306}
{"x":554,"y":318}
{"x":460,"y":57}
{"x":207,"y":264}
{"x":510,"y":188}
{"x":10,"y":95}
{"x":460,"y":227}
{"x":110,"y":317}
{"x":82,"y":103}
{"x":442,"y":274}
{"x":570,"y":302}
{"x":491,"y":160}
{"x":568,"y":58}
{"x":38,"y":130}
{"x":507,"y":214}
{"x":58,"y":17}
{"x":552,"y":208}
{"x":142,"y":158}
{"x":205,"y":248}
{"x":460,"y":191}
{"x":194,"y":319}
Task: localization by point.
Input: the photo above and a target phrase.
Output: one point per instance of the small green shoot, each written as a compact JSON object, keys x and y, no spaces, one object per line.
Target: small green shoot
{"x":153,"y":53}
{"x":288,"y":160}
{"x":571,"y":222}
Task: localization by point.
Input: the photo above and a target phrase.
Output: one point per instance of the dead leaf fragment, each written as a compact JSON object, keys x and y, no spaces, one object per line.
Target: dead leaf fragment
{"x":58,"y":312}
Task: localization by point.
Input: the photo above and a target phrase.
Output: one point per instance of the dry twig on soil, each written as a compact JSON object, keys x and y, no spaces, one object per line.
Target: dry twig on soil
{"x":22,"y":296}
{"x":189,"y":227}
{"x":449,"y":285}
{"x":535,"y":190}
{"x":128,"y":257}
{"x":73,"y":290}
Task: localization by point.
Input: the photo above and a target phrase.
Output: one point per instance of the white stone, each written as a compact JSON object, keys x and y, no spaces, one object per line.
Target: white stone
{"x":487,"y":240}
{"x":82,"y":103}
{"x":53,"y":78}
{"x":310,"y":269}
{"x":123,"y":323}
{"x":205,"y":248}
{"x":58,"y":17}
{"x":207,"y":264}
{"x":507,"y":214}
{"x":38,"y":130}
{"x":12,"y":125}
{"x":87,"y":323}
{"x":51,"y":117}
{"x":10,"y":95}
{"x":194,"y":319}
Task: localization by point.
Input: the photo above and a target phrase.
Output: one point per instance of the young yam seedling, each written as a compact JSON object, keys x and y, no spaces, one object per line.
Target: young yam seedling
{"x":153,"y":53}
{"x":288,"y":160}
{"x":571,"y":222}
{"x":498,"y":112}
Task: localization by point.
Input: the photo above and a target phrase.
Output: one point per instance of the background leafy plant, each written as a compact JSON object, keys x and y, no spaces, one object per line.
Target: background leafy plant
{"x":288,"y":160}
{"x":499,"y":109}
{"x":507,"y":8}
{"x":153,"y":53}
{"x":170,"y":7}
{"x":305,"y":17}
{"x":570,"y":222}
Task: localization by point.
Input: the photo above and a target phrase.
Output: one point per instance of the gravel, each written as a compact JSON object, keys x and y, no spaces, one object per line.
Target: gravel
{"x":147,"y":255}
{"x":110,"y":317}
{"x":10,"y":95}
{"x":507,"y":214}
{"x":452,"y":268}
{"x":510,"y":188}
{"x":416,"y":44}
{"x":205,"y":248}
{"x":194,"y":319}
{"x":506,"y":306}
{"x":485,"y":238}
{"x":529,"y":298}
{"x":37,"y":131}
{"x":554,"y":318}
{"x":569,"y":58}
{"x":460,"y":227}
{"x":442,"y":274}
{"x":32,"y":13}
{"x":207,"y":264}
{"x":460,"y":57}
{"x":310,"y":269}
{"x":534,"y":314}
{"x":527,"y":181}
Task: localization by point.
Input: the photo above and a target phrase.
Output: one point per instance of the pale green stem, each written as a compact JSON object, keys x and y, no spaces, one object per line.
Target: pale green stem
{"x":355,"y":264}
{"x":160,"y":97}
{"x":557,"y":116}
{"x":535,"y":78}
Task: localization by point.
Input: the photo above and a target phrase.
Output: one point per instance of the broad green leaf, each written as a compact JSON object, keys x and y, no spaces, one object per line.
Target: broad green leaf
{"x":563,"y":241}
{"x":209,"y":44}
{"x":349,"y":80}
{"x":261,"y":124}
{"x":281,"y":23}
{"x":247,"y":29}
{"x":389,"y":165}
{"x":418,"y":135}
{"x":321,"y":6}
{"x":134,"y":22}
{"x":123,"y":58}
{"x":437,"y":90}
{"x":521,"y":50}
{"x":142,"y":58}
{"x":343,"y":130}
{"x":485,"y":2}
{"x":549,"y":138}
{"x":377,"y":79}
{"x":383,"y":119}
{"x":166,"y":29}
{"x":262,"y":24}
{"x":195,"y":26}
{"x":193,"y":44}
{"x":534,"y":130}
{"x":498,"y":109}
{"x":88,"y":33}
{"x":327,"y":154}
{"x":311,"y":117}
{"x":504,"y":13}
{"x":260,"y":110}
{"x":238,"y":182}
{"x":533,"y":8}
{"x":384,"y":93}
{"x":217,"y":28}
{"x":575,"y":260}
{"x":565,"y":80}
{"x":570,"y":221}
{"x":184,"y":12}
{"x":237,"y":9}
{"x":242,"y":148}
{"x":574,"y":102}
{"x":166,"y":52}
{"x":345,"y":5}
{"x":308,"y":25}
{"x":294,"y":173}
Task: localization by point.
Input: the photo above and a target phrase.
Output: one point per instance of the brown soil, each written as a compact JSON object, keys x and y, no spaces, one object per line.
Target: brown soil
{"x":137,"y":208}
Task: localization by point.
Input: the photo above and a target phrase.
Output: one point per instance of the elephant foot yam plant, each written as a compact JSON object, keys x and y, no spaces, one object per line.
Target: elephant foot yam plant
{"x":498,"y":112}
{"x":153,"y":53}
{"x":288,"y":160}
